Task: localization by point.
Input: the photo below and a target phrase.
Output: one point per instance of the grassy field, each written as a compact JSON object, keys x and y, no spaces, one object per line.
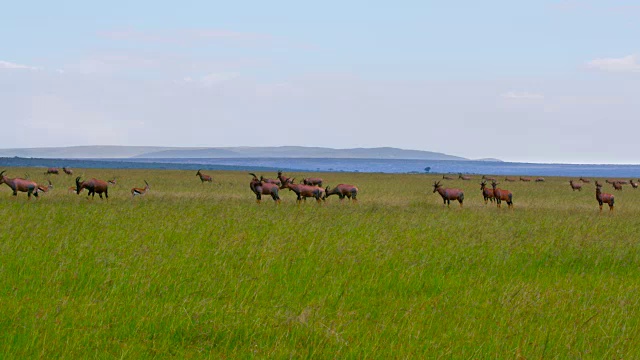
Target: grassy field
{"x":195,"y":271}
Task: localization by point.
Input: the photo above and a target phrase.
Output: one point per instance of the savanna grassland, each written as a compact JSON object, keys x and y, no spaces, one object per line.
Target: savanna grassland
{"x":197,"y":270}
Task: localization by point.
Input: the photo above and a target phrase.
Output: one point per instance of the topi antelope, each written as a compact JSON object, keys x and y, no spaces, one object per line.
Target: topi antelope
{"x":604,"y":198}
{"x":575,"y":185}
{"x":271,"y":181}
{"x":488,"y":178}
{"x":283,"y":179}
{"x":139,"y":191}
{"x":633,"y":184}
{"x":67,"y":171}
{"x":261,"y":188}
{"x":464,"y":177}
{"x":204,"y":177}
{"x":447,"y":177}
{"x":525,"y":179}
{"x":342,"y":190}
{"x":312,"y":181}
{"x":303,"y":191}
{"x":448,"y":194}
{"x":540,"y":179}
{"x":584,"y":180}
{"x":617,"y":185}
{"x":502,"y":194}
{"x":93,"y":186}
{"x":509,"y":179}
{"x":487,"y":193}
{"x":52,"y":170}
{"x":18,"y":184}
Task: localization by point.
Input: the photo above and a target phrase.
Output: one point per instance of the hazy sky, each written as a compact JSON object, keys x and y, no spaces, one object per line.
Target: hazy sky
{"x":545,"y":81}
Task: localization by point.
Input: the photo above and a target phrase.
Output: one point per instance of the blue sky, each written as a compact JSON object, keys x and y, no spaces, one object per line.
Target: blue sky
{"x":537,"y":81}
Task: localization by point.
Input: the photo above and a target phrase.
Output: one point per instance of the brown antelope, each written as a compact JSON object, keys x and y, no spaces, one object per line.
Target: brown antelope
{"x":312,"y":181}
{"x":502,"y":194}
{"x":575,"y":186}
{"x":598,"y":184}
{"x":52,"y":170}
{"x":604,"y":198}
{"x":540,"y":179}
{"x":261,"y":188}
{"x":112,"y":181}
{"x":139,"y":191}
{"x":44,"y":189}
{"x":509,"y":179}
{"x":487,"y":193}
{"x":633,"y":184}
{"x":448,"y":194}
{"x":617,"y":185}
{"x":487,"y":178}
{"x":525,"y":179}
{"x":282,"y":178}
{"x":204,"y":177}
{"x":586,"y":181}
{"x":271,"y":181}
{"x":18,"y":184}
{"x":67,"y":171}
{"x":73,"y":189}
{"x":93,"y":186}
{"x":447,"y":177}
{"x":464,"y":177}
{"x":304,"y":191}
{"x":342,"y":190}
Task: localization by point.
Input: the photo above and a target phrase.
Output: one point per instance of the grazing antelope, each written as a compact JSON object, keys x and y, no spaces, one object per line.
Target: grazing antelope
{"x":73,"y":189}
{"x":93,"y":186}
{"x":283,"y":179}
{"x":312,"y":181}
{"x":502,"y":194}
{"x":44,"y":189}
{"x":270,"y":181}
{"x":67,"y":171}
{"x":261,"y":188}
{"x":509,"y":179}
{"x":575,"y":186}
{"x":586,"y":181}
{"x":304,"y":191}
{"x":617,"y":186}
{"x":139,"y":191}
{"x":447,"y":177}
{"x":448,"y":194}
{"x":342,"y":190}
{"x":18,"y":184}
{"x":487,"y":178}
{"x":525,"y":179}
{"x":464,"y":177}
{"x":52,"y":170}
{"x":487,"y":193}
{"x":633,"y":184}
{"x":604,"y":198}
{"x":540,"y":179}
{"x":204,"y":177}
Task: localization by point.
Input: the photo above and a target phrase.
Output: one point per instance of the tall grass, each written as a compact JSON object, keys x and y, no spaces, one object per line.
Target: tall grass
{"x":197,"y":270}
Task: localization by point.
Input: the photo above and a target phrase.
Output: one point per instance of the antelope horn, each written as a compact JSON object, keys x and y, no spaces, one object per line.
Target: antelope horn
{"x":252,"y":174}
{"x":146,"y":182}
{"x":2,"y":172}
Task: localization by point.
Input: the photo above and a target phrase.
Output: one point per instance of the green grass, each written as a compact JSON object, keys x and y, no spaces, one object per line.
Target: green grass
{"x":197,"y":271}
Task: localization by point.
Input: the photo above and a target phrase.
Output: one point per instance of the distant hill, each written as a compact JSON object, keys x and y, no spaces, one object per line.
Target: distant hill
{"x":158,"y":152}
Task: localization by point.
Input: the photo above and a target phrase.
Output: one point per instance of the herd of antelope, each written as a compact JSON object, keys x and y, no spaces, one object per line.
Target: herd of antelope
{"x":312,"y":187}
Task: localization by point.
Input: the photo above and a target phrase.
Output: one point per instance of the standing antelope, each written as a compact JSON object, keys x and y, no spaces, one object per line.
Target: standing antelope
{"x":502,"y":194}
{"x":312,"y":181}
{"x":525,"y":179}
{"x":448,"y":194}
{"x":93,"y":186}
{"x":18,"y":184}
{"x":464,"y":177}
{"x":617,"y":185}
{"x":487,"y":178}
{"x":52,"y":170}
{"x":204,"y":177}
{"x":342,"y":190}
{"x":575,"y":186}
{"x":270,"y":181}
{"x":586,"y":181}
{"x":604,"y":198}
{"x":487,"y":193}
{"x":67,"y":170}
{"x":261,"y":188}
{"x":633,"y":184}
{"x":304,"y":191}
{"x":283,"y":179}
{"x":139,"y":191}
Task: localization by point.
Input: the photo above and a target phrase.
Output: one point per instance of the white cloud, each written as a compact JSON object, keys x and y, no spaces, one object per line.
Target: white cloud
{"x":522,"y":95}
{"x":14,"y":66}
{"x":624,"y":64}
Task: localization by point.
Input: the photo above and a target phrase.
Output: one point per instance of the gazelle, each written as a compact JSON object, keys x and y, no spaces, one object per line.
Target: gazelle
{"x":139,"y":191}
{"x":44,"y":189}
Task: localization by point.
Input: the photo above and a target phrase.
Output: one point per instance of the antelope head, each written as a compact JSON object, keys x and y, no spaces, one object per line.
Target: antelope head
{"x":78,"y":185}
{"x":483,"y":184}
{"x":199,"y":173}
{"x":436,"y":185}
{"x":2,"y":176}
